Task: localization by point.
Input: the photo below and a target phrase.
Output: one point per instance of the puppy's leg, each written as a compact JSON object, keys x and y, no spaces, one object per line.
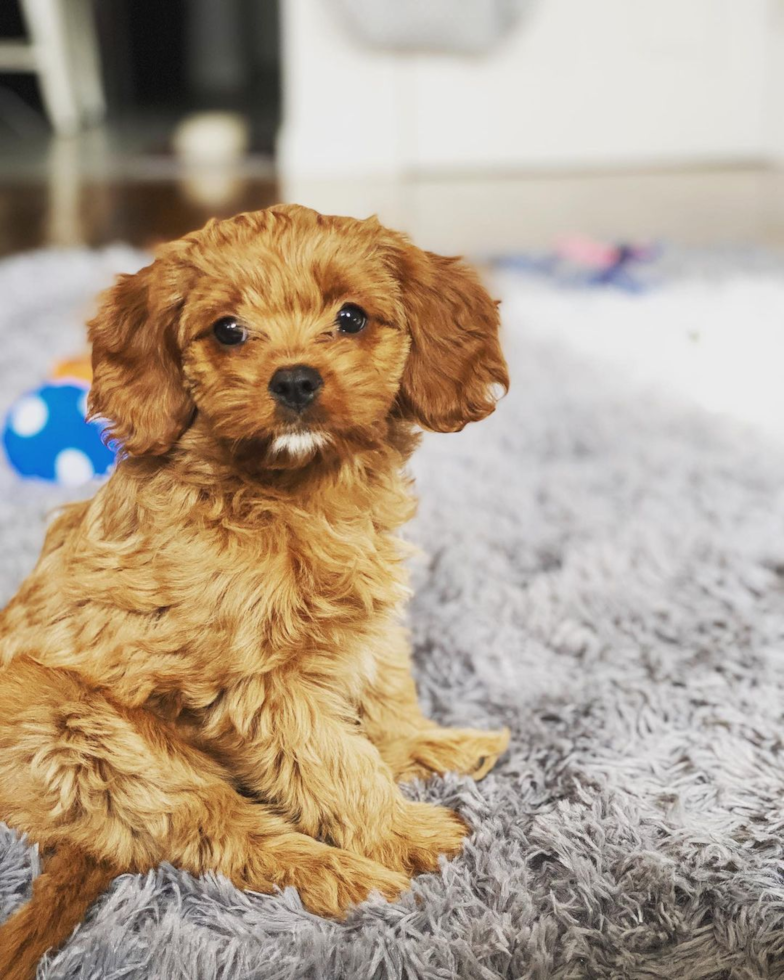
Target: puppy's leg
{"x":123,"y":787}
{"x":411,"y":744}
{"x":311,"y":758}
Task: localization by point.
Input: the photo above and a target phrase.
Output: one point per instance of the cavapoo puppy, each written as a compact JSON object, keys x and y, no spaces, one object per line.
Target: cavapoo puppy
{"x":206,"y":666}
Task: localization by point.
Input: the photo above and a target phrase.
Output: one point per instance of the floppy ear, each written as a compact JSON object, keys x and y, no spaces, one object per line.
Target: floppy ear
{"x":455,"y":367}
{"x":137,"y":384}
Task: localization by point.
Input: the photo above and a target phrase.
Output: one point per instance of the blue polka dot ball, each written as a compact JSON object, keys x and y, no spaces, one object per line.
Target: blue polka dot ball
{"x":46,"y":436}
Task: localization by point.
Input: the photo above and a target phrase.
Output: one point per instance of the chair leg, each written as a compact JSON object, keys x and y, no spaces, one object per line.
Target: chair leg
{"x":47,"y":25}
{"x":86,"y":59}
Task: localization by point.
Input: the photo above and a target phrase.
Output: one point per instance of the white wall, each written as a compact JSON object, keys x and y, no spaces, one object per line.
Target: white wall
{"x":341,"y":111}
{"x":580,"y":83}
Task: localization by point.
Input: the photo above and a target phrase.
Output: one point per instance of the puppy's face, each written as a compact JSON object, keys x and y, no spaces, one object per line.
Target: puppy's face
{"x":292,"y":334}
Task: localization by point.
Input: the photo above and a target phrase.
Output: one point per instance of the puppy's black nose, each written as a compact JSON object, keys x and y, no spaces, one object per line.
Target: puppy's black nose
{"x":295,"y":387}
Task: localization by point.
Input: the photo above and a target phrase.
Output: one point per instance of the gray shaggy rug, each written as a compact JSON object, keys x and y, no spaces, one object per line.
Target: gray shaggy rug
{"x":605,"y":575}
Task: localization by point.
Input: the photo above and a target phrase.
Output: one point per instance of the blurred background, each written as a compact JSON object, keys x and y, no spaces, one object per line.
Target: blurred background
{"x":477,"y":125}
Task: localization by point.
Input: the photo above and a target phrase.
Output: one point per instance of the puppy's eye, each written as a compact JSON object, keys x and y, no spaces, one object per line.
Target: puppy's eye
{"x":351,"y":318}
{"x":228,"y":332}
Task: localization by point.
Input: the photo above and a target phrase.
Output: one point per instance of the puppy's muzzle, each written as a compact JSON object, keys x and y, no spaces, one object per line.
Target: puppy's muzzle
{"x":295,"y":387}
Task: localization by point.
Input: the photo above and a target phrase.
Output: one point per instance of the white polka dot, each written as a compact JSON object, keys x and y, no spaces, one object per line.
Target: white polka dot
{"x":72,"y":468}
{"x":83,"y":404}
{"x":29,"y":416}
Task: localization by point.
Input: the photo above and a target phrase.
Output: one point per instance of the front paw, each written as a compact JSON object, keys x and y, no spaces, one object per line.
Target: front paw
{"x":338,"y":879}
{"x":464,"y":750}
{"x":422,"y":833}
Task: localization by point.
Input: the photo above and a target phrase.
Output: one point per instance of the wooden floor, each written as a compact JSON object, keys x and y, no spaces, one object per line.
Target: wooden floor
{"x":477,"y":216}
{"x":35,"y":215}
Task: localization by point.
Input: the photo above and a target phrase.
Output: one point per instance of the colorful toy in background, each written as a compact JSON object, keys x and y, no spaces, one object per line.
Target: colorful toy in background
{"x":581,"y":261}
{"x":46,"y":435}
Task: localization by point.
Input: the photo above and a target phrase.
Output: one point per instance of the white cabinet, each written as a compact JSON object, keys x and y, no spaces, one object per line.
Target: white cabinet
{"x":577,"y":84}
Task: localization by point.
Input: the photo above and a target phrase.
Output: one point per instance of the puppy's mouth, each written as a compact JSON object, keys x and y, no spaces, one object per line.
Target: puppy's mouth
{"x":297,"y":445}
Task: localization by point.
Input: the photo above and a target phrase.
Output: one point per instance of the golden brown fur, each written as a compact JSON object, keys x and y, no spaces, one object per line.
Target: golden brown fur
{"x":206,"y":666}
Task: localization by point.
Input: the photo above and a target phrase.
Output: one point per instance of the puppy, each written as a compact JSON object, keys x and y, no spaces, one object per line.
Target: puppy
{"x":206,"y":666}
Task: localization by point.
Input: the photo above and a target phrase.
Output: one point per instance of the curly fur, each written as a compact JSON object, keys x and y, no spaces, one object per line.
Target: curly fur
{"x":206,"y":666}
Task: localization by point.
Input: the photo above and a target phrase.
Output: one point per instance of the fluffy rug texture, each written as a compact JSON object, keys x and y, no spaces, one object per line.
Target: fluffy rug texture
{"x":604,"y":573}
